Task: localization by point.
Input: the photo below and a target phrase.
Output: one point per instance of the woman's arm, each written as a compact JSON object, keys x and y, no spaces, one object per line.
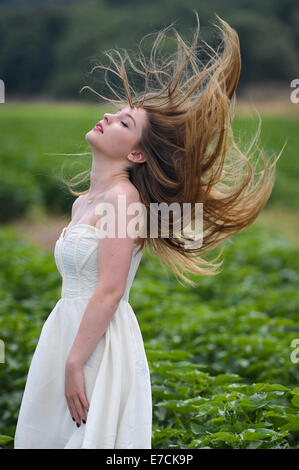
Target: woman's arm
{"x":99,"y":311}
{"x":97,"y":316}
{"x":114,"y":256}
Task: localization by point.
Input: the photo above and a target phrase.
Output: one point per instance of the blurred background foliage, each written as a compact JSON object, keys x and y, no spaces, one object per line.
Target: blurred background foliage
{"x":220,"y":353}
{"x":48,"y":47}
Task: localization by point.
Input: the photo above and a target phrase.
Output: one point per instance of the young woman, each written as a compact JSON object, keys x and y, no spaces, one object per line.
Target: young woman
{"x":88,"y":384}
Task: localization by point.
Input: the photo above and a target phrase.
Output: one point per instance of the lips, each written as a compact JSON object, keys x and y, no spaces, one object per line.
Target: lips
{"x":99,"y":127}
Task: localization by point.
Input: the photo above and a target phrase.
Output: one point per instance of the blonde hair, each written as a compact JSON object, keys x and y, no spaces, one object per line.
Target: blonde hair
{"x":191,"y":154}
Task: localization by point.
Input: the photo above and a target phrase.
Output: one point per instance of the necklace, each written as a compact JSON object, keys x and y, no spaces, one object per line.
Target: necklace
{"x":90,"y":199}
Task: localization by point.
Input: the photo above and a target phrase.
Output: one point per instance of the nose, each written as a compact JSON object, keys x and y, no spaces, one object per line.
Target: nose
{"x":107,"y":117}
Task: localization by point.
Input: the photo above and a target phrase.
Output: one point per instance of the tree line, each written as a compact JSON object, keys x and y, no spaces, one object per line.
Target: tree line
{"x":48,"y":48}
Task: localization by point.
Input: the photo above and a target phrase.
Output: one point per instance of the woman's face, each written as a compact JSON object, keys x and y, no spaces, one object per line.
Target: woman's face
{"x":121,"y":133}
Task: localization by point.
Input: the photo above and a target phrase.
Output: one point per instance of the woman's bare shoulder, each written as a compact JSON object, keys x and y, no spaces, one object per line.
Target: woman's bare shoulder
{"x":77,"y":203}
{"x":126,"y":188}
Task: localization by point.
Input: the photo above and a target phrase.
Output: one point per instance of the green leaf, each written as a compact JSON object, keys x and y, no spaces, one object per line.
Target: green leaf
{"x":4,"y":438}
{"x":252,"y":434}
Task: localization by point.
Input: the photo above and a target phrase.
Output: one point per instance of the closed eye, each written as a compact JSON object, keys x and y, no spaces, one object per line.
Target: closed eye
{"x":124,"y":123}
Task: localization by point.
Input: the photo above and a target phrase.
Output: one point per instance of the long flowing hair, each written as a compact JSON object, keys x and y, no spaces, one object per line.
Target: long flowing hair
{"x":191,"y":153}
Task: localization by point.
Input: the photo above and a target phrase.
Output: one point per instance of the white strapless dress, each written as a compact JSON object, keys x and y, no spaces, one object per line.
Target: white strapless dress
{"x":117,"y":376}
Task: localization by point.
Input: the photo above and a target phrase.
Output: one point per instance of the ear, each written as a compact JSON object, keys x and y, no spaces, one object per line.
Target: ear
{"x":137,"y":157}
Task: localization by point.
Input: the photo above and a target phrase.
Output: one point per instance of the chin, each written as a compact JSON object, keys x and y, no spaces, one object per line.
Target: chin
{"x":91,"y":137}
{"x":88,"y":135}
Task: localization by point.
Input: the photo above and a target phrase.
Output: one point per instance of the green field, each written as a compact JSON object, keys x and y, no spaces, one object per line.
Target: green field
{"x":220,"y":354}
{"x":29,"y":132}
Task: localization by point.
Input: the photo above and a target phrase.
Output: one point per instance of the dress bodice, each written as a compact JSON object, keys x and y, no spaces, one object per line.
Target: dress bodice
{"x":76,"y":258}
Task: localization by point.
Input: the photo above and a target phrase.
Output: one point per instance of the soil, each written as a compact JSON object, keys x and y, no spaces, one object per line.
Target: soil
{"x":269,"y":98}
{"x":43,"y":233}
